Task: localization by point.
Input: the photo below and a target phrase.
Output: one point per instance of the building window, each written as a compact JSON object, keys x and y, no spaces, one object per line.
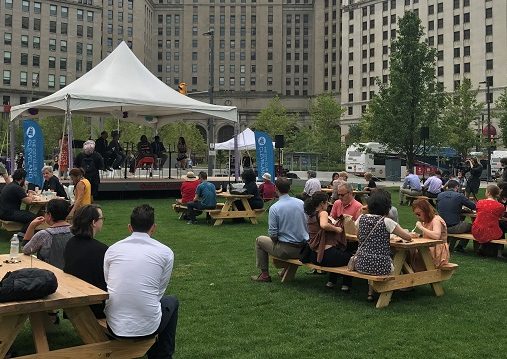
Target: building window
{"x":489,"y":47}
{"x":53,"y":10}
{"x":52,"y":62}
{"x":52,"y":44}
{"x":36,"y":42}
{"x":489,"y":64}
{"x":7,"y":57}
{"x":489,"y":30}
{"x":80,"y":15}
{"x":24,"y":40}
{"x":36,"y":7}
{"x":36,"y":60}
{"x":51,"y":81}
{"x":7,"y":77}
{"x":24,"y":59}
{"x":64,"y":12}
{"x":23,"y":78}
{"x":25,"y":6}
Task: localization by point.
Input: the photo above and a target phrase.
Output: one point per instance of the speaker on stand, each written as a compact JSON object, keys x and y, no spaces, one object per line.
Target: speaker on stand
{"x":279,"y":144}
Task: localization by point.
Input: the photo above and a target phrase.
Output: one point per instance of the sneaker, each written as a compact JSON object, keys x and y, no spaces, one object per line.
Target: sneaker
{"x":345,"y":288}
{"x":330,"y":285}
{"x":191,"y":222}
{"x":261,"y":278}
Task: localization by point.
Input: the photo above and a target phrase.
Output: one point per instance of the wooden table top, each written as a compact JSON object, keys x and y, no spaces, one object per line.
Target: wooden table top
{"x":416,"y":242}
{"x":229,"y":195}
{"x":71,"y":292}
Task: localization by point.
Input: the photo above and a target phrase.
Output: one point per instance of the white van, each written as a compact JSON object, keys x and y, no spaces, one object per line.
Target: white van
{"x":496,"y":156}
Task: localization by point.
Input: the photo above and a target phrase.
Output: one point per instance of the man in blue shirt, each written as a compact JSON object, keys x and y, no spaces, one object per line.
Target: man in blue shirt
{"x":288,"y":231}
{"x":205,"y":198}
{"x":411,"y":186}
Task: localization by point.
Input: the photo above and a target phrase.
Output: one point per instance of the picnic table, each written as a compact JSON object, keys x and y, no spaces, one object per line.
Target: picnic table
{"x":74,"y":296}
{"x":403,"y":275}
{"x":38,"y":204}
{"x":230,"y":210}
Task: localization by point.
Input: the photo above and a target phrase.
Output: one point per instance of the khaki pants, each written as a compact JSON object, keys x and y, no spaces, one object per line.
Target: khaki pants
{"x":410,"y":192}
{"x":264,"y":246}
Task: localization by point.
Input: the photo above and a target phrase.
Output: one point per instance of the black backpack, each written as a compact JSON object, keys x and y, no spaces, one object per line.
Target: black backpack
{"x":88,"y":165}
{"x":27,"y":284}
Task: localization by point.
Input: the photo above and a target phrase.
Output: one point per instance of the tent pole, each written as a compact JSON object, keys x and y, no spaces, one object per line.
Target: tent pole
{"x":12,"y":146}
{"x":68,"y":120}
{"x":236,"y":150}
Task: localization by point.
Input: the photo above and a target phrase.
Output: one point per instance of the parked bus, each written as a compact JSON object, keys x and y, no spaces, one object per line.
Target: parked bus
{"x":372,"y":156}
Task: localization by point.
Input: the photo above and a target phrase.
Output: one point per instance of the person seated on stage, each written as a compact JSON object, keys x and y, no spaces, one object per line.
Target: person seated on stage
{"x":342,"y":178}
{"x":143,"y":151}
{"x":52,"y":183}
{"x":374,"y":233}
{"x":188,"y":188}
{"x":287,"y":230}
{"x":101,"y":146}
{"x":267,"y":188}
{"x":311,"y":186}
{"x":256,"y":202}
{"x":11,"y":197}
{"x":327,"y":241}
{"x":205,"y":198}
{"x":368,"y":177}
{"x":486,"y":226}
{"x":430,"y":225}
{"x":49,"y":244}
{"x":411,"y":186}
{"x":449,"y":206}
{"x":84,"y":255}
{"x":433,"y":185}
{"x":117,"y":153}
{"x":182,"y":153}
{"x":158,"y":149}
{"x":246,"y":161}
{"x":82,"y":190}
{"x":4,"y":173}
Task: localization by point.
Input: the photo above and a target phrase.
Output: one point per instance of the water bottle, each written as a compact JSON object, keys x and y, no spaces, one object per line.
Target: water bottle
{"x":14,"y":248}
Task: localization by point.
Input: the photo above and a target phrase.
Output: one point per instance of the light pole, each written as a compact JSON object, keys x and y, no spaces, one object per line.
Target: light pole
{"x":211,"y":158}
{"x":488,"y":103}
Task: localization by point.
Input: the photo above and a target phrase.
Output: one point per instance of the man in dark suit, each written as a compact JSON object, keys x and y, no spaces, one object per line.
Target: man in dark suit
{"x":158,"y":149}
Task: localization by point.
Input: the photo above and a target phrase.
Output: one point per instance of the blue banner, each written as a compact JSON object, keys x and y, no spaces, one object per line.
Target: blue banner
{"x":265,"y":155}
{"x":34,"y":152}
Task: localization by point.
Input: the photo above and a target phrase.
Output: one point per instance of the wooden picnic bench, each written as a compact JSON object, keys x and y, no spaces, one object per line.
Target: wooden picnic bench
{"x":469,"y":236}
{"x":403,"y":275}
{"x":411,"y":198}
{"x":182,"y":209}
{"x":74,"y":296}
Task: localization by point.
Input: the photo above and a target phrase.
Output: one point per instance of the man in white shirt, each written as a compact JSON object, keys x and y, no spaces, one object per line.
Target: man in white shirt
{"x":137,"y":270}
{"x":311,"y":186}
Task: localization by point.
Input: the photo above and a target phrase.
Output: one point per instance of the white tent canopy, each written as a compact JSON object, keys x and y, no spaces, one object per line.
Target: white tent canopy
{"x":246,"y":141}
{"x":121,"y":83}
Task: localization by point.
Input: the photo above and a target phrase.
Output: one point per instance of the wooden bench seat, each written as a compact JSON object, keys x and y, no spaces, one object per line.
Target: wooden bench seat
{"x":182,"y":209}
{"x":469,"y":236}
{"x":411,"y":199}
{"x":136,"y":346}
{"x":280,"y":263}
{"x":11,"y":226}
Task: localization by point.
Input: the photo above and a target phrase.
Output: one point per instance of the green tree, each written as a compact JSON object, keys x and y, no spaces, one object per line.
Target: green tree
{"x":354,"y":136}
{"x":501,"y":112}
{"x":461,"y":111}
{"x":399,"y":110}
{"x":275,"y":120}
{"x":325,"y":115}
{"x":170,"y":134}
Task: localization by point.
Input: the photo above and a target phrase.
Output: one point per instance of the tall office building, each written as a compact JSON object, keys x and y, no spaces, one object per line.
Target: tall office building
{"x":295,"y":49}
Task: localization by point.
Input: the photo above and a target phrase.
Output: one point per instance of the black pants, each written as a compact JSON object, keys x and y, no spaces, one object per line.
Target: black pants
{"x":24,"y":217}
{"x":334,"y":257}
{"x":118,"y":159}
{"x":193,"y":208}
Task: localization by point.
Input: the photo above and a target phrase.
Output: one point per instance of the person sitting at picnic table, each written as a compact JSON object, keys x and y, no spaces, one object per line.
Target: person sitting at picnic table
{"x":411,"y":186}
{"x":49,"y":244}
{"x":432,"y":226}
{"x":374,"y":232}
{"x":327,"y":241}
{"x":486,"y":227}
{"x":84,"y":255}
{"x":188,"y":188}
{"x":205,"y":198}
{"x":82,"y":190}
{"x":4,"y":173}
{"x":346,"y":203}
{"x":449,"y":206}
{"x":11,"y":197}
{"x":368,"y":177}
{"x":433,"y":185}
{"x":287,"y":229}
{"x":334,"y":177}
{"x":501,"y":175}
{"x":342,"y":178}
{"x":312,"y":185}
{"x":52,"y":183}
{"x":474,"y":181}
{"x":256,"y":202}
{"x":267,"y":188}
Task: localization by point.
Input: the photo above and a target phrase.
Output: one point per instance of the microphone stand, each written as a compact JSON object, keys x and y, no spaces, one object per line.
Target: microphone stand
{"x":170,"y":159}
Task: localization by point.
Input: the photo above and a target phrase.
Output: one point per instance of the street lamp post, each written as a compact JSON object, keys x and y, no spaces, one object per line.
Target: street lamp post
{"x":488,"y":142}
{"x":211,"y":158}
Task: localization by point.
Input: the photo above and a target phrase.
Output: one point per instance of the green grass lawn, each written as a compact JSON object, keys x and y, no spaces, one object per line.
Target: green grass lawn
{"x":223,"y":314}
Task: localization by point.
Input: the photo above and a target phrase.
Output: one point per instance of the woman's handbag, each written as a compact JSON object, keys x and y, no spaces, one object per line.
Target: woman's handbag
{"x":353,"y":260}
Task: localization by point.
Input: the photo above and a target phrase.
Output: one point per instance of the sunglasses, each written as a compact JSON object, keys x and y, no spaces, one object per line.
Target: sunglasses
{"x":342,"y":194}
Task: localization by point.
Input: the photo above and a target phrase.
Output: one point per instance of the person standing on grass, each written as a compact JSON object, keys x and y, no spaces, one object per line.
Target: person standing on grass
{"x":449,"y":206}
{"x":205,"y":198}
{"x":137,"y":270}
{"x":288,"y":231}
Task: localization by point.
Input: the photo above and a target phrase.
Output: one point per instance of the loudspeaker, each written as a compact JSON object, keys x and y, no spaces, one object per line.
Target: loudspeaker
{"x":425,"y":133}
{"x":279,"y":141}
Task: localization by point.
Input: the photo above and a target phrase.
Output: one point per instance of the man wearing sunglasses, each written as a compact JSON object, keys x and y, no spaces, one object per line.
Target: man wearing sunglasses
{"x":346,"y":204}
